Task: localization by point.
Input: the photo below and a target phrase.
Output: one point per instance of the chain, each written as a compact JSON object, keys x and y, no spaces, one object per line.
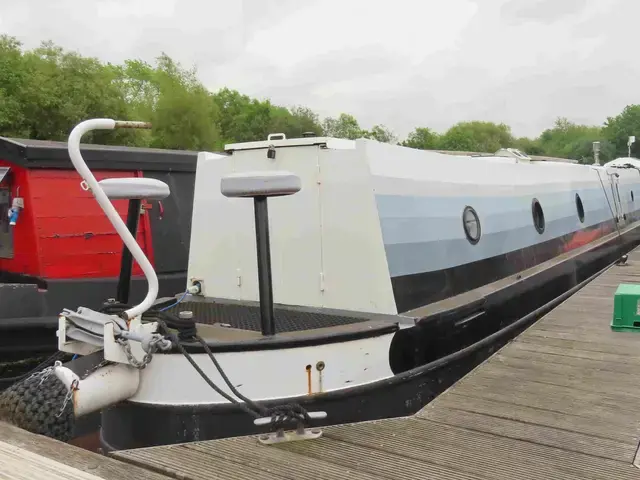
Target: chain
{"x":43,"y":374}
{"x":68,"y":396}
{"x":103,"y":363}
{"x":153,"y":347}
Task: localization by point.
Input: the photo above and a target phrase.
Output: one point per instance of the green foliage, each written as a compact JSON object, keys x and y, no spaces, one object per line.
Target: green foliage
{"x":568,"y":140}
{"x":345,"y":126}
{"x":52,"y":90}
{"x":423,"y":139}
{"x":46,"y":91}
{"x":528,"y":145}
{"x":477,"y":136}
{"x":12,"y":79}
{"x":294,"y":122}
{"x":381,"y":134}
{"x":618,"y":129}
{"x":243,"y":119}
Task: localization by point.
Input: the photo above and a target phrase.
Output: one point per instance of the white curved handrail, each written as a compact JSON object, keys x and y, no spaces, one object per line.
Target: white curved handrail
{"x":108,"y":208}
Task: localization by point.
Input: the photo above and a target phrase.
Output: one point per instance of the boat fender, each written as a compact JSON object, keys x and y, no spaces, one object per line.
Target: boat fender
{"x":104,"y":387}
{"x":39,"y":405}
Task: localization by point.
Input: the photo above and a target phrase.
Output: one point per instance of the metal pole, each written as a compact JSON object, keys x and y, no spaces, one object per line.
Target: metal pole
{"x":126,"y":262}
{"x":596,"y":153}
{"x":265,"y":285}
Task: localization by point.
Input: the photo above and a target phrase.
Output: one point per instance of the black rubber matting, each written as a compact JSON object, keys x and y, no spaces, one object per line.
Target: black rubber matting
{"x":247,"y":317}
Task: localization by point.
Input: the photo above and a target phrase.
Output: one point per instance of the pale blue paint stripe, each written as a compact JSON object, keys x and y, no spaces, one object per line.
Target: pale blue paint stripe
{"x":417,"y":230}
{"x":426,"y":256}
{"x":421,"y":243}
{"x":426,"y":206}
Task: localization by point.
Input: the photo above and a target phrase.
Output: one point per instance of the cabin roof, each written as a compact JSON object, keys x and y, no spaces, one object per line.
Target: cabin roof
{"x":50,"y":154}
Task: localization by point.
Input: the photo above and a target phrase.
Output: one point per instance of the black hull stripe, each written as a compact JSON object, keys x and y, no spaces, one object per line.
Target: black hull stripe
{"x":420,"y":289}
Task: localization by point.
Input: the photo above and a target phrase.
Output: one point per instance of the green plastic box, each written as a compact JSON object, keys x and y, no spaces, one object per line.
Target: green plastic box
{"x":626,"y":308}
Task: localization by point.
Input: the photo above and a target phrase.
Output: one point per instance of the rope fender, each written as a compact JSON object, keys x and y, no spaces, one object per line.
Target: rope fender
{"x":39,"y":404}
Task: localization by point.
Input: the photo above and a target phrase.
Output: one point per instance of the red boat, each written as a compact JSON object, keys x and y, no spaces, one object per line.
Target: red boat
{"x":57,"y":247}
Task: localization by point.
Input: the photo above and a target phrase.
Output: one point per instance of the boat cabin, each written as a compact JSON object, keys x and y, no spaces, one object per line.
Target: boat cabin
{"x":53,"y":233}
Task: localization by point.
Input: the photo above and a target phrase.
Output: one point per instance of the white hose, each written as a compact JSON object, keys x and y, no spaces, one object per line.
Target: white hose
{"x":109,"y":209}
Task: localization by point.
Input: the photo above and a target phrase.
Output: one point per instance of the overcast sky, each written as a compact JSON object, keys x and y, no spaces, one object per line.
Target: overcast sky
{"x":403,"y":63}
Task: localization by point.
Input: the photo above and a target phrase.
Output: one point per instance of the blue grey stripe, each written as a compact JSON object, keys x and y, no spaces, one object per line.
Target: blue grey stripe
{"x":424,"y":234}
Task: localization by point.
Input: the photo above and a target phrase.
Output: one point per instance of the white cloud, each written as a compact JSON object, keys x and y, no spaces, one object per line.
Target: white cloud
{"x":407,"y":28}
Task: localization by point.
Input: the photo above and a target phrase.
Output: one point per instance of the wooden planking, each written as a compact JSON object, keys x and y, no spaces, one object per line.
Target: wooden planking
{"x":557,"y":402}
{"x":19,"y":464}
{"x":25,"y":455}
{"x":74,"y":238}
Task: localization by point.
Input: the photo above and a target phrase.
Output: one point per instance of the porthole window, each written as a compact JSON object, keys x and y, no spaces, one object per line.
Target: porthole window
{"x":580,"y":208}
{"x":538,"y":215}
{"x":471,"y":225}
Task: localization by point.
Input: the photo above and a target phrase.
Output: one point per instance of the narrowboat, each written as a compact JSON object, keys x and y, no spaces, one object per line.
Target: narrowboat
{"x":332,"y":281}
{"x":57,"y":248}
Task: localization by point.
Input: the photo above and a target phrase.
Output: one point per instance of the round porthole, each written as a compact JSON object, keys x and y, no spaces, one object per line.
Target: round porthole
{"x":538,"y":215}
{"x":580,"y":208}
{"x":471,"y":225}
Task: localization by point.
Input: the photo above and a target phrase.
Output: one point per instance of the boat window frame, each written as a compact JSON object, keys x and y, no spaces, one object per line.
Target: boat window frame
{"x":537,"y":215}
{"x":467,"y":233}
{"x":580,"y":208}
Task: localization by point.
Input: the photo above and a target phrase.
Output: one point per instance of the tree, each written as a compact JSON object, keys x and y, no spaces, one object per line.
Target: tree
{"x":528,"y":146}
{"x":423,"y":139}
{"x":12,"y":81}
{"x":181,"y":110}
{"x":46,"y":91}
{"x":60,"y":89}
{"x":294,"y":122}
{"x":381,"y":134}
{"x":618,"y":129}
{"x":569,"y":140}
{"x":345,"y":126}
{"x":477,"y":136}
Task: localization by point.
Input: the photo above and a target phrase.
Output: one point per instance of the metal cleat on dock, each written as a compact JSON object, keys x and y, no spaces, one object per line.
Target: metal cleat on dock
{"x":622,"y":261}
{"x":281,"y":436}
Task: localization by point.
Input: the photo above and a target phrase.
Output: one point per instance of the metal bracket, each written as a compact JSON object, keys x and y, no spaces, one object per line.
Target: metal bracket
{"x":82,"y":331}
{"x":114,"y":352}
{"x":98,"y":332}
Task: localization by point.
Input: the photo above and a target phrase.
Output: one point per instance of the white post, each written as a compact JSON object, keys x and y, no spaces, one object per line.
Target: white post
{"x":630,"y":142}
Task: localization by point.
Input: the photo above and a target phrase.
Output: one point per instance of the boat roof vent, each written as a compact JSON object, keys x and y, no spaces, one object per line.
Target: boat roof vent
{"x":513,"y":152}
{"x":276,"y":136}
{"x":308,"y":135}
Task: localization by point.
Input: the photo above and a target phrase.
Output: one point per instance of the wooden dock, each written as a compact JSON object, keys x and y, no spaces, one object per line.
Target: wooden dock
{"x":27,"y":456}
{"x":562,"y":401}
